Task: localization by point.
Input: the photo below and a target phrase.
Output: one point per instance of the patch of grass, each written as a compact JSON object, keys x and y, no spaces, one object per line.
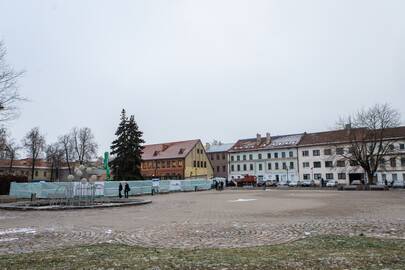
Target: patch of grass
{"x":322,"y":252}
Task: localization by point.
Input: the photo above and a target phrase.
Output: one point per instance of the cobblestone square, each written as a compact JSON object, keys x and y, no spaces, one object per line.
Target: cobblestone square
{"x":231,"y":218}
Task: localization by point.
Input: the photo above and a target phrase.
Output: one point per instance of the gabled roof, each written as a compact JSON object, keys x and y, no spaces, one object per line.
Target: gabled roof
{"x":283,"y":141}
{"x":168,"y":150}
{"x":344,"y":136}
{"x":223,"y":147}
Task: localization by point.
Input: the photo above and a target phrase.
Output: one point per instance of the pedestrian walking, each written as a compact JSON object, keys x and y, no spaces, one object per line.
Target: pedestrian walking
{"x":126,"y":190}
{"x":120,"y":190}
{"x":222,"y":185}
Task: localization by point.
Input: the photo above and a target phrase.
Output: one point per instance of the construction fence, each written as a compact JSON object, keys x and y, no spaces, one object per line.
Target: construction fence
{"x":46,"y":190}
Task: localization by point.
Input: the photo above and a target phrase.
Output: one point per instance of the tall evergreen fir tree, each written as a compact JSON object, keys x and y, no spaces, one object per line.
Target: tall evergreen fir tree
{"x":126,"y":150}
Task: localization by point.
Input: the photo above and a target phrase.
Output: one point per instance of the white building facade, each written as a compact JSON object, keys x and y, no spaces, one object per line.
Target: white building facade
{"x":320,"y":157}
{"x":269,"y":158}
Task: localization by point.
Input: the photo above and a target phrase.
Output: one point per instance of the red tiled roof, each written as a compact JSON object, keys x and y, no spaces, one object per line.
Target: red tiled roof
{"x":344,"y":136}
{"x":168,"y":150}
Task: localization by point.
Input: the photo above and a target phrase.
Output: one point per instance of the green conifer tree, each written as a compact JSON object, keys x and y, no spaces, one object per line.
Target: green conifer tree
{"x":126,"y":150}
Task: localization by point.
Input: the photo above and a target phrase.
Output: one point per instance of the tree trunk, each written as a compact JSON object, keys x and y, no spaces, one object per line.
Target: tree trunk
{"x":10,"y":168}
{"x":32,"y":169}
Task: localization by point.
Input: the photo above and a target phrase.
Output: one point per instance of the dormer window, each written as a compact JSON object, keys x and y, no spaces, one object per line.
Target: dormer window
{"x":181,"y":151}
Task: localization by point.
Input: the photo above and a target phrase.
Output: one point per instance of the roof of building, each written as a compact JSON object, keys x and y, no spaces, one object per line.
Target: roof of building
{"x":168,"y":150}
{"x":344,"y":136}
{"x":283,"y":141}
{"x":220,"y":147}
{"x":25,"y":163}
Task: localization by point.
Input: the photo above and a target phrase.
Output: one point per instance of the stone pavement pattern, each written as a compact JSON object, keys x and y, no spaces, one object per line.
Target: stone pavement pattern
{"x":210,"y":219}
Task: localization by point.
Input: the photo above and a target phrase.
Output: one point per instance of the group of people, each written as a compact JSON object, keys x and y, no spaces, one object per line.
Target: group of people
{"x":219,"y":185}
{"x":126,"y":190}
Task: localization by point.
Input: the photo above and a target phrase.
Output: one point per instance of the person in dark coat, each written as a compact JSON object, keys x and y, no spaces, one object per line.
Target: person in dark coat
{"x":222,"y":185}
{"x":120,"y":190}
{"x":126,"y":190}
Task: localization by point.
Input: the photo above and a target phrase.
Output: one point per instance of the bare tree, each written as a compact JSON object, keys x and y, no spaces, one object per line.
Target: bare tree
{"x":34,"y":143}
{"x":371,"y":138}
{"x":12,"y":149}
{"x":9,"y":96}
{"x":84,"y":144}
{"x":55,"y":156}
{"x":66,"y":144}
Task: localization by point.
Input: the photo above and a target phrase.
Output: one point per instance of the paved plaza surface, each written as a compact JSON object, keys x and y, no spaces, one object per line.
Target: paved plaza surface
{"x":231,"y":218}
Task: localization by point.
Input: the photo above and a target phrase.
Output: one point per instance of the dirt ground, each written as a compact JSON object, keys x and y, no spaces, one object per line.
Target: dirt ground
{"x":233,"y":218}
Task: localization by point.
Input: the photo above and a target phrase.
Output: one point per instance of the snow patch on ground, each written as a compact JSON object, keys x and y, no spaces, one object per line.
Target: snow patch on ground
{"x":8,"y":239}
{"x":243,"y":200}
{"x":17,"y":230}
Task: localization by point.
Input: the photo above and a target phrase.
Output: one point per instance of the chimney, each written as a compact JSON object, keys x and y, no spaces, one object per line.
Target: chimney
{"x":348,"y":126}
{"x":268,"y":138}
{"x":258,"y":139}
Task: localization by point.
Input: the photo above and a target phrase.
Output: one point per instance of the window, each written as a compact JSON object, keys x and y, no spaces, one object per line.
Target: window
{"x":269,"y":166}
{"x":391,"y":147}
{"x":283,"y":154}
{"x":244,"y":167}
{"x":232,"y":158}
{"x":317,"y":176}
{"x":237,"y":157}
{"x":341,"y":163}
{"x":393,"y":162}
{"x":291,"y":154}
{"x":244,"y":157}
{"x":382,"y":161}
{"x":179,"y":163}
{"x":260,"y":167}
{"x":251,"y":157}
{"x":44,"y":174}
{"x":259,"y":156}
{"x":205,"y":164}
{"x":402,"y":146}
{"x":305,"y":164}
{"x":217,"y":156}
{"x":328,"y":164}
{"x":384,"y":177}
{"x":218,"y":168}
{"x":275,"y":155}
{"x":291,"y":165}
{"x":305,"y":153}
{"x":164,"y":164}
{"x":223,"y":168}
{"x":403,"y":162}
{"x":317,"y":164}
{"x":307,"y":176}
{"x":36,"y":173}
{"x":341,"y":176}
{"x":403,"y":176}
{"x":394,"y":177}
{"x":339,"y":151}
{"x":198,"y":163}
{"x":251,"y":167}
{"x":353,"y":163}
{"x":232,"y":168}
{"x":316,"y":153}
{"x":327,"y":152}
{"x":276,"y":165}
{"x":284,"y":166}
{"x":223,"y":156}
{"x":238,"y":167}
{"x":269,"y":155}
{"x":329,"y":176}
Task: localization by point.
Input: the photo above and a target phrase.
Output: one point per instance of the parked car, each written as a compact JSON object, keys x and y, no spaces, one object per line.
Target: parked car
{"x":295,"y":184}
{"x":308,"y":183}
{"x":332,"y":183}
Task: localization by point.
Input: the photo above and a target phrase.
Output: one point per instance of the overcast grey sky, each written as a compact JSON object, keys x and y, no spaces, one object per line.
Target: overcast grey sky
{"x":223,"y":69}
